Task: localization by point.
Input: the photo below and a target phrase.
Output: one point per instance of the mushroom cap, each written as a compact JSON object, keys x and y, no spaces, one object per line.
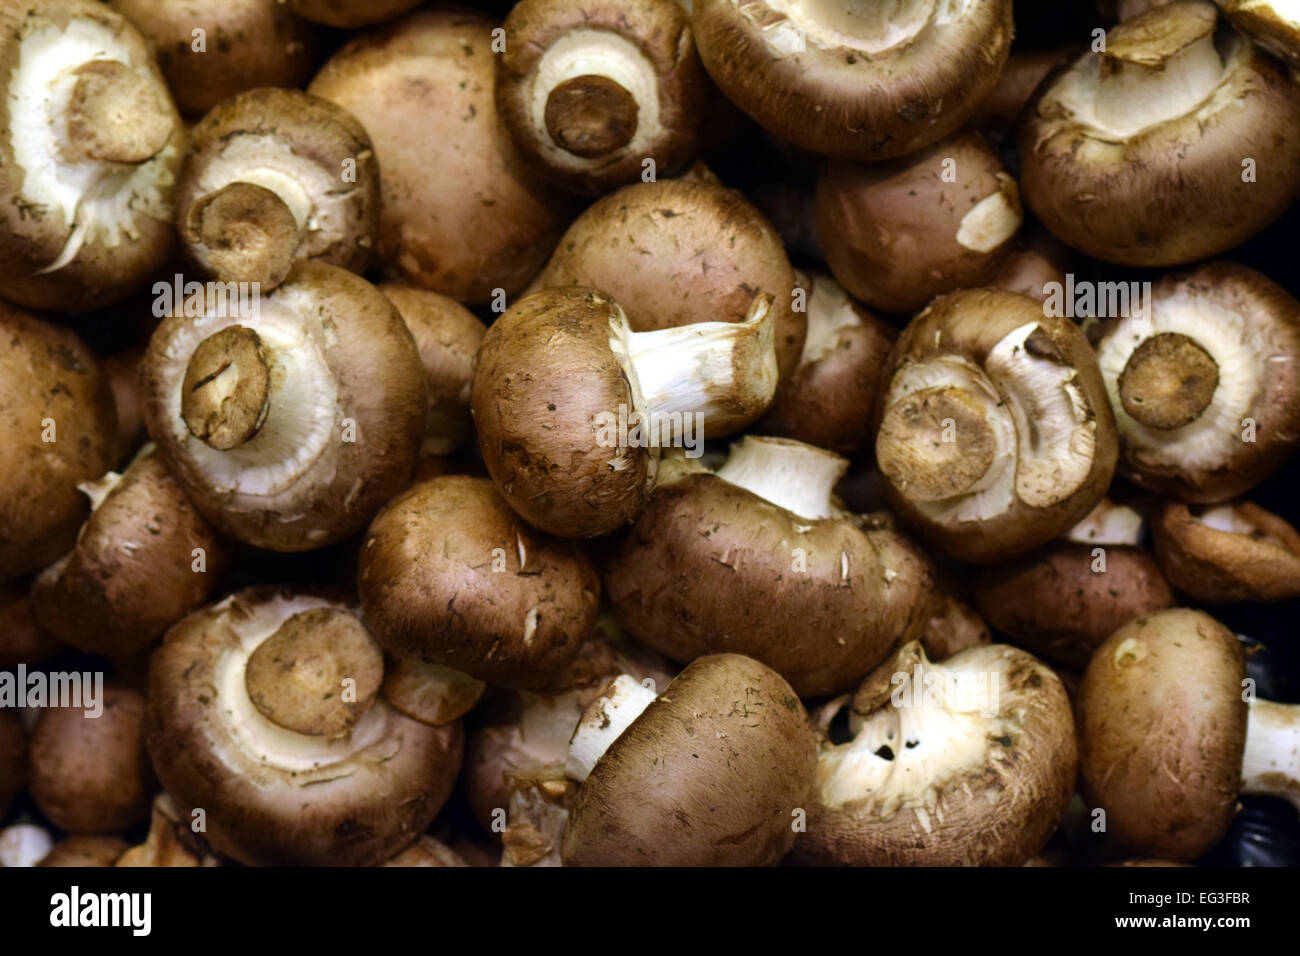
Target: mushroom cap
{"x":13,"y":759}
{"x":538,"y":430}
{"x":299,"y":483}
{"x":50,"y":387}
{"x":1162,"y":731}
{"x":21,"y":641}
{"x":1173,"y":191}
{"x":91,"y":774}
{"x":133,"y":571}
{"x":427,"y":851}
{"x":68,"y":242}
{"x":1250,"y":328}
{"x":273,"y":796}
{"x":710,"y":774}
{"x":351,"y":13}
{"x":269,"y":136}
{"x":897,"y":234}
{"x":429,"y":693}
{"x":710,"y":567}
{"x":123,"y":373}
{"x":854,"y":88}
{"x":85,"y":851}
{"x":643,"y":50}
{"x":1237,"y":552}
{"x":450,"y":575}
{"x":1041,"y":370}
{"x":680,"y":251}
{"x":999,"y":112}
{"x":827,"y":400}
{"x":246,"y":44}
{"x":1056,"y":604}
{"x":978,"y":764}
{"x":495,"y":228}
{"x":448,"y":336}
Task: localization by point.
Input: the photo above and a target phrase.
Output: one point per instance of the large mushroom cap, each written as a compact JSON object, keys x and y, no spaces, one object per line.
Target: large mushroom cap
{"x":58,"y":425}
{"x":1234,"y":552}
{"x":966,"y":763}
{"x":710,"y":774}
{"x":277,"y":796}
{"x":858,"y":79}
{"x":1162,"y":731}
{"x":290,"y":423}
{"x":449,"y":574}
{"x":995,"y":434}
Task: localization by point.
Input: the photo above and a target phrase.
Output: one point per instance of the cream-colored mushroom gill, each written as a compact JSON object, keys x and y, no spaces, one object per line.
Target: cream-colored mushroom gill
{"x":1119,"y":99}
{"x":830,"y":312}
{"x":250,"y":735}
{"x":302,"y":415}
{"x":790,"y":474}
{"x":606,"y":54}
{"x":1271,"y":763}
{"x":1241,"y":350}
{"x":867,"y":26}
{"x":98,"y":200}
{"x":1110,"y":524}
{"x":936,"y":725}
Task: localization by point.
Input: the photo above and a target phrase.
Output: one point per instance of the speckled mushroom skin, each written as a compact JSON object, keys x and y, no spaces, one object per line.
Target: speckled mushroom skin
{"x":678,"y":251}
{"x":1053,"y":602}
{"x":356,"y":811}
{"x":1162,"y":731}
{"x":840,"y":100}
{"x":1216,"y":566}
{"x":997,"y":808}
{"x":543,"y":376}
{"x":131,"y":574}
{"x":449,"y":574}
{"x":660,"y":31}
{"x":33,"y":237}
{"x":495,"y":226}
{"x":710,"y":568}
{"x":711,"y":774}
{"x":47,"y":375}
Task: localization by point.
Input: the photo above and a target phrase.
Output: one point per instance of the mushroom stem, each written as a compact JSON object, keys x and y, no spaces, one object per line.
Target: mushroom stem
{"x":1158,"y":65}
{"x":113,"y":114}
{"x":1271,"y":763}
{"x":937,"y":443}
{"x":226,"y":393}
{"x":1108,"y":524}
{"x":604,"y":721}
{"x":250,"y":232}
{"x":725,"y":370}
{"x":1168,"y":382}
{"x":24,"y":845}
{"x":591,"y":115}
{"x":789,"y":474}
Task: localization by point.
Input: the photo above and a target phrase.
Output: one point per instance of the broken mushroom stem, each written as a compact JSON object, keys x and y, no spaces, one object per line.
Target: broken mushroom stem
{"x":251,"y":233}
{"x":1271,"y":762}
{"x":112,"y":113}
{"x":1168,"y":382}
{"x":604,"y":721}
{"x":790,"y":474}
{"x":227,"y":388}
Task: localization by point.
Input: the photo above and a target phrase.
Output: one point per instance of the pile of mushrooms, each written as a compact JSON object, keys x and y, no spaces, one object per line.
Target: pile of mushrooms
{"x":585,"y":433}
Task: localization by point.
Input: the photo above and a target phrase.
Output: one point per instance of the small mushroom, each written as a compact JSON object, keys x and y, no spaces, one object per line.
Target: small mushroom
{"x":90,"y":149}
{"x":867,"y":81}
{"x":276,"y":176}
{"x":591,"y":91}
{"x":350,"y":13}
{"x":289,"y":427}
{"x":13,"y":759}
{"x":966,"y":763}
{"x":58,"y":429}
{"x":1181,"y":139}
{"x":827,"y":400}
{"x":1227,"y":553}
{"x":573,"y":441}
{"x":953,"y":626}
{"x":756,"y":559}
{"x":461,"y":213}
{"x":1066,"y":599}
{"x":1203,"y":380}
{"x":170,"y":842}
{"x":89,"y":772}
{"x":447,"y":335}
{"x":710,"y":773}
{"x":897,"y":234}
{"x":679,"y":252}
{"x":995,"y":435}
{"x":264,"y":713}
{"x":449,"y":575}
{"x":1169,"y":734}
{"x":209,"y":50}
{"x":429,"y":693}
{"x":143,"y":560}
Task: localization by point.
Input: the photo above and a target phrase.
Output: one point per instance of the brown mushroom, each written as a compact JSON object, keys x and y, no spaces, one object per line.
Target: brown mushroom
{"x":350,"y":13}
{"x":1232,"y":552}
{"x":13,"y":759}
{"x":82,"y":850}
{"x":170,"y":842}
{"x":1273,"y":24}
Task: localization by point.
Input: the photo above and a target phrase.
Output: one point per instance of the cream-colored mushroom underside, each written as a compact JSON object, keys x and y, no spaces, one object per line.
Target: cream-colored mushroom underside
{"x":867,"y":26}
{"x":1243,"y":353}
{"x":301,"y":429}
{"x":98,"y":200}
